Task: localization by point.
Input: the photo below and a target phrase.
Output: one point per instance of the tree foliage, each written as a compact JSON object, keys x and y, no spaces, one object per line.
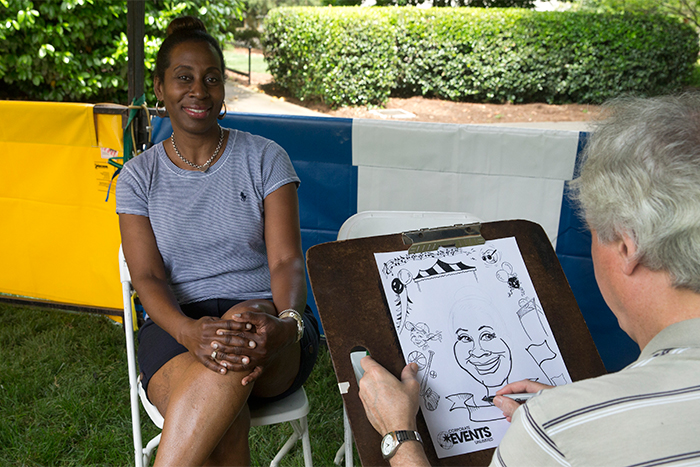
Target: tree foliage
{"x":460,"y":3}
{"x":688,"y":10}
{"x":76,"y":50}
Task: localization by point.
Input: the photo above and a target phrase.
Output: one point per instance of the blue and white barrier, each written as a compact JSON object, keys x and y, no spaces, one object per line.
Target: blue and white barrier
{"x":348,"y":166}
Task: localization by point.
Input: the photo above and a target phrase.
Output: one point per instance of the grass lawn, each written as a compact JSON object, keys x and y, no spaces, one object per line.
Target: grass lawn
{"x":64,"y":397}
{"x":239,"y":61}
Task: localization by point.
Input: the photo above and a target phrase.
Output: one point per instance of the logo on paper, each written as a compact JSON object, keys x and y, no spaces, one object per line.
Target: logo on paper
{"x":447,"y":439}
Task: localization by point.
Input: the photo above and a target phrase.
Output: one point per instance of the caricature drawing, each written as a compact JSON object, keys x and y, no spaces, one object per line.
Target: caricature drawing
{"x":490,"y":256}
{"x":421,"y":335}
{"x":470,"y":318}
{"x":402,"y":301}
{"x":441,"y":267}
{"x":419,"y":260}
{"x":430,"y":397}
{"x":506,"y":274}
{"x":543,"y":354}
{"x":531,"y":316}
{"x":479,"y":350}
{"x":558,"y":380}
{"x":418,"y":358}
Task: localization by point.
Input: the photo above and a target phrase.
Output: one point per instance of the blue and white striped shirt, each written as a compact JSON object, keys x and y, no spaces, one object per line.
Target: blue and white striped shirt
{"x":209,"y":225}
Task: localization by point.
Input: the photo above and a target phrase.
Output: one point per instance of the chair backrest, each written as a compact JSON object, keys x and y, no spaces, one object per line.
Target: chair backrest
{"x":372,"y":223}
{"x":124,"y":275}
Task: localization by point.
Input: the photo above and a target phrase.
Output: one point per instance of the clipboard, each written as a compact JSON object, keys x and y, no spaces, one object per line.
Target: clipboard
{"x":355,"y":314}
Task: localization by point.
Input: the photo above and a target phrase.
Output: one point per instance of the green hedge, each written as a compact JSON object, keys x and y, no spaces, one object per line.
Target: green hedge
{"x":351,"y":56}
{"x":345,"y":56}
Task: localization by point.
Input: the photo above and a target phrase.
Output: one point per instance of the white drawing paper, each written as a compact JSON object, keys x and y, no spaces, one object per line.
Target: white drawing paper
{"x":471,"y":319}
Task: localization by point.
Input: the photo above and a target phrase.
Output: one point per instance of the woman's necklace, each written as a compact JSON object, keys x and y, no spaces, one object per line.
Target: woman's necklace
{"x":205,"y":166}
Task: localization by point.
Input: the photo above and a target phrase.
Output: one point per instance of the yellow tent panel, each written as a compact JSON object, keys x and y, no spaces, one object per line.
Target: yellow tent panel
{"x":58,"y":236}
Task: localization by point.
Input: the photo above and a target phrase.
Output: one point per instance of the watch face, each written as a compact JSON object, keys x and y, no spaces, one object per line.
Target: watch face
{"x":387,"y":444}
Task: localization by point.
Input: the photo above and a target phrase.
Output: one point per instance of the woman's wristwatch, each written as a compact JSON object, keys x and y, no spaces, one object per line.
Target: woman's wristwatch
{"x":393,"y":439}
{"x":294,"y":314}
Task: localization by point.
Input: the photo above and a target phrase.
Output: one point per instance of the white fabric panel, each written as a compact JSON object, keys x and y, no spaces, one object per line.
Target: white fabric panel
{"x":495,"y":173}
{"x":489,"y":197}
{"x":478,"y":149}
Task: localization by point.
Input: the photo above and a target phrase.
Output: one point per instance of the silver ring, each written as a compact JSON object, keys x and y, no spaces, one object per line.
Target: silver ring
{"x":213,"y":355}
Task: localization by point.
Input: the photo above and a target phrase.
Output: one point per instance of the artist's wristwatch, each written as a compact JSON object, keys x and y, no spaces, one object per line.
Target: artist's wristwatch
{"x":297,"y":317}
{"x":393,"y":439}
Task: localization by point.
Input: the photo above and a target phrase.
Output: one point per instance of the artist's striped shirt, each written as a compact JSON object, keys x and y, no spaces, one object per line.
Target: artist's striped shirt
{"x":647,"y":414}
{"x":209,"y":225}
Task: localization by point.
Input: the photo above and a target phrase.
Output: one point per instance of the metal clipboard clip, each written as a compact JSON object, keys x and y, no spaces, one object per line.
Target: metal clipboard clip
{"x":455,"y":236}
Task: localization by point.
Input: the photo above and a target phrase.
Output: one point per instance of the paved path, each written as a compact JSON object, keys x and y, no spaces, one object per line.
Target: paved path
{"x":242,"y":99}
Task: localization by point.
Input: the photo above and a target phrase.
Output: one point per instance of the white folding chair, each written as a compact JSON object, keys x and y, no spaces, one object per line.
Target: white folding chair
{"x":292,"y":409}
{"x":372,"y":223}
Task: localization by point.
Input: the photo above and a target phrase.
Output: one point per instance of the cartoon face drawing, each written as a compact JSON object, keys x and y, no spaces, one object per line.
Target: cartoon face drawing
{"x":478,"y":348}
{"x":489,"y":256}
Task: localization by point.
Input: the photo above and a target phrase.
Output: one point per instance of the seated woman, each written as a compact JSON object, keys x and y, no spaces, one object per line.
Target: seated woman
{"x":209,"y":220}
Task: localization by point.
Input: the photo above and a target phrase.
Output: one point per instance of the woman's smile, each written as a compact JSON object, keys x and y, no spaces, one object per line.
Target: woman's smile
{"x":196,"y":112}
{"x":489,"y":366}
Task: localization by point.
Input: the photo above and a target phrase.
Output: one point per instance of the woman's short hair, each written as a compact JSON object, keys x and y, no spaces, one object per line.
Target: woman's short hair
{"x":184,"y":29}
{"x":641,"y":177}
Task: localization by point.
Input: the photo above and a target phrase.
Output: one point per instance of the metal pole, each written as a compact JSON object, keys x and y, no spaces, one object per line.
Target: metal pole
{"x":135,"y":32}
{"x":249,"y":65}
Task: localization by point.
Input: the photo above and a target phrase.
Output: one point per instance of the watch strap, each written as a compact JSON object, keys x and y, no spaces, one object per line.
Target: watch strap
{"x":408,"y":435}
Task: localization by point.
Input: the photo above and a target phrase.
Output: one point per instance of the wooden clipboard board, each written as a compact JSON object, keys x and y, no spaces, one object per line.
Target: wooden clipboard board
{"x":355,"y":314}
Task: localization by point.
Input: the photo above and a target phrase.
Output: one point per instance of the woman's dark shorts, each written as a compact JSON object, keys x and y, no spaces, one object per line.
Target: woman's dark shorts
{"x":157,"y":347}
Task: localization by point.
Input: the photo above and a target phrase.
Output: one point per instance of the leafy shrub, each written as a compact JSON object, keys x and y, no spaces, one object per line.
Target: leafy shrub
{"x":76,"y":50}
{"x":457,"y":3}
{"x":694,"y":78}
{"x":343,"y":56}
{"x":485,"y":55}
{"x":249,"y":37}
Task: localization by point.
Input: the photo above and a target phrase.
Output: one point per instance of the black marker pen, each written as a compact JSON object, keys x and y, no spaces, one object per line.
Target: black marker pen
{"x":516,"y":397}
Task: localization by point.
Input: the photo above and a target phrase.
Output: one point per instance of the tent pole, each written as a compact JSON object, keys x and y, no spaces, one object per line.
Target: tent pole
{"x":135,"y":32}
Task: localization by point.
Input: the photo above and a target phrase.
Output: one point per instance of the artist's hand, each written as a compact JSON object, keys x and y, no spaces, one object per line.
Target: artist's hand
{"x":509,"y":406}
{"x":390,"y":404}
{"x":262,"y":337}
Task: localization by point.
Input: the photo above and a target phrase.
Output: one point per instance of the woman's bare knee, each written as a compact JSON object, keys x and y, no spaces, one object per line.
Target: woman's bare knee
{"x":261,"y":306}
{"x":166,"y":379}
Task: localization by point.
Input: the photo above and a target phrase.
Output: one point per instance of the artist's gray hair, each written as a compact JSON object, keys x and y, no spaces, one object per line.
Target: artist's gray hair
{"x":641,"y":177}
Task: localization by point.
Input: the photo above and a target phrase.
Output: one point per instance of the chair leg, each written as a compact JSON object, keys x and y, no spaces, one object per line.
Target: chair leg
{"x":286,"y":448}
{"x":148,"y":450}
{"x":301,"y":430}
{"x":136,"y":431}
{"x":348,"y":439}
{"x":339,"y":455}
{"x":306,"y":443}
{"x":345,"y":449}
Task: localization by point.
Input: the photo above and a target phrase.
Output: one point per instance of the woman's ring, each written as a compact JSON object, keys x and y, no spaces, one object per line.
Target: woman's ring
{"x":213,"y":355}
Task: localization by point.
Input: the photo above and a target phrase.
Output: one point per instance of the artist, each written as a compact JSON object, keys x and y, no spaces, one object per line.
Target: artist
{"x":639,"y":191}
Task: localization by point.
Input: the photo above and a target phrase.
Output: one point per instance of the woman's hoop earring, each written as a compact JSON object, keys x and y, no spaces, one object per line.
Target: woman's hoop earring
{"x":222,"y":115}
{"x":161,"y":111}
